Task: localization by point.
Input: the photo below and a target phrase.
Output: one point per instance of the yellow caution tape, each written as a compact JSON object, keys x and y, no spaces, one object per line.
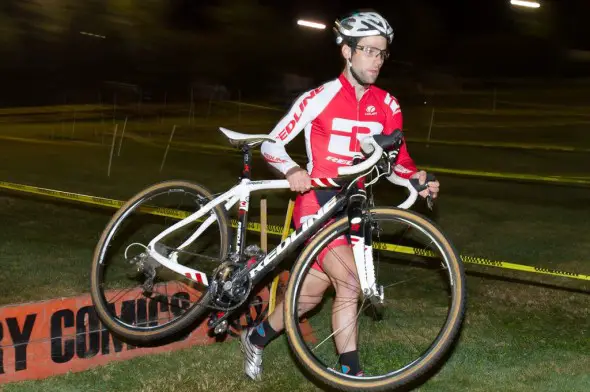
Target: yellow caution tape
{"x":279,"y":230}
{"x":95,"y":200}
{"x":482,"y":261}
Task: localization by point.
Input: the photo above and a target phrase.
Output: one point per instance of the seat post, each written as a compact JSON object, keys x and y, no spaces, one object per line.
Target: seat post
{"x":247,"y":161}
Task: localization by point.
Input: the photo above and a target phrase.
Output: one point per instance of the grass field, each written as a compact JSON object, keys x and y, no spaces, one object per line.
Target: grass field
{"x":522,"y":332}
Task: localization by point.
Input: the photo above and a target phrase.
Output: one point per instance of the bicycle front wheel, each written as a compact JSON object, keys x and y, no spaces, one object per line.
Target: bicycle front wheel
{"x":135,"y":297}
{"x":399,"y":338}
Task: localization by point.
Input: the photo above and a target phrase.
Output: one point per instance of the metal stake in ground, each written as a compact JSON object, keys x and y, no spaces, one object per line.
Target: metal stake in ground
{"x":263,"y":236}
{"x":211,"y":101}
{"x":122,"y":137}
{"x":430,"y":129}
{"x":112,"y":149}
{"x":284,"y":276}
{"x":167,"y":148}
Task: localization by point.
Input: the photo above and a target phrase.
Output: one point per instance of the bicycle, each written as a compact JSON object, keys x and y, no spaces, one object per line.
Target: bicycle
{"x":234,"y":270}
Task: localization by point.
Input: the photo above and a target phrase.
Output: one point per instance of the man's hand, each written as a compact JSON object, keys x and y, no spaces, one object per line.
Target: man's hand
{"x":433,"y":186}
{"x":298,"y":179}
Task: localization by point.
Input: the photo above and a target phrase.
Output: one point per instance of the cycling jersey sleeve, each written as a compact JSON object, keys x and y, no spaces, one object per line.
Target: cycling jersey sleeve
{"x":305,"y":109}
{"x":404,"y":166}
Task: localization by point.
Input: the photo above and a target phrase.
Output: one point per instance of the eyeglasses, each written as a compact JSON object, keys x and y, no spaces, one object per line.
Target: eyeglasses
{"x":372,"y":52}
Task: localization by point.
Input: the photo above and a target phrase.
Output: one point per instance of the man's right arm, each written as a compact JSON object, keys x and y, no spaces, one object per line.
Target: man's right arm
{"x":306,"y":108}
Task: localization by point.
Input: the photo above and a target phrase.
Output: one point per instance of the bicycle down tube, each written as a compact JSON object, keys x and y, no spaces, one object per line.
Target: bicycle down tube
{"x":241,"y":193}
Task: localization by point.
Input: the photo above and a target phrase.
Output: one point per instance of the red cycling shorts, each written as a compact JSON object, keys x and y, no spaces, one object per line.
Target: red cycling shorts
{"x":308,"y":204}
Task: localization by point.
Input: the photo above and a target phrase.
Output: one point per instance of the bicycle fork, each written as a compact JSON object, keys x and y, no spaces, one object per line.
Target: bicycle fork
{"x":362,"y":246}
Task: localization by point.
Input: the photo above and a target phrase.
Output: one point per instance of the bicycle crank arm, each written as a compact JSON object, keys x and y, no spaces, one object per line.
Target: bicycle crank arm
{"x":218,"y":322}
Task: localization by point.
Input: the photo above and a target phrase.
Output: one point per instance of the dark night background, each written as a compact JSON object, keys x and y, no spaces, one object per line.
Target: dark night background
{"x":495,"y":103}
{"x":247,"y":44}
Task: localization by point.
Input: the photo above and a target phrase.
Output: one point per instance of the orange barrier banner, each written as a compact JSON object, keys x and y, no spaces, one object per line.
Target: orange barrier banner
{"x":48,"y":338}
{"x":57,"y":336}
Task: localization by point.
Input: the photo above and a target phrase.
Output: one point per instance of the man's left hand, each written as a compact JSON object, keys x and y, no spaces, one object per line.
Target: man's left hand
{"x":433,"y":186}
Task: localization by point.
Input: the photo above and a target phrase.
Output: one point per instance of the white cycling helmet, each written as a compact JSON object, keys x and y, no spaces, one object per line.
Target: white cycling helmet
{"x":362,"y":24}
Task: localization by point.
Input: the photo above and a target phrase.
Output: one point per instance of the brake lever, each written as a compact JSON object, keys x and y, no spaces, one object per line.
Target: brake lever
{"x":420,"y":187}
{"x":429,"y":202}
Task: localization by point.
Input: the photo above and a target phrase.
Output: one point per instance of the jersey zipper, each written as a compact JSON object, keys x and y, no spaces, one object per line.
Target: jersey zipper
{"x":358,"y":113}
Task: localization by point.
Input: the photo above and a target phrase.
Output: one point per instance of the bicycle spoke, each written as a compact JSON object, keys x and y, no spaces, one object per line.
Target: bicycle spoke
{"x":121,"y":295}
{"x":347,"y":268}
{"x":145,"y":218}
{"x":341,"y":328}
{"x":406,"y":281}
{"x":402,"y":328}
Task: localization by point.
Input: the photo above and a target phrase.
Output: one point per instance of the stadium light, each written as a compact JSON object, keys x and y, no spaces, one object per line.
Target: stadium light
{"x":313,"y":25}
{"x":529,"y":4}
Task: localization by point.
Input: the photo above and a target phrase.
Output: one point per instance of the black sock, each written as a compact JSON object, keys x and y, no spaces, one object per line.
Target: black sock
{"x":263,"y":334}
{"x":350,"y":362}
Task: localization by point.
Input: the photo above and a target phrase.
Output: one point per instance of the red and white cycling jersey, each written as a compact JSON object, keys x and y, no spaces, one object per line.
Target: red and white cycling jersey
{"x":334,"y":122}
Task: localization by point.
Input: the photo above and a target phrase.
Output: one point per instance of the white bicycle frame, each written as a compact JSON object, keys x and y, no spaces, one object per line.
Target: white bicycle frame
{"x":241,"y":192}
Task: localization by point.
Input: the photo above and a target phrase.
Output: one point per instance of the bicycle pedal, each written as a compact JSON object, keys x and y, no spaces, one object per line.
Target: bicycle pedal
{"x":218,"y":322}
{"x":376,"y":295}
{"x":430,"y":202}
{"x":221,"y":328}
{"x":380,"y":293}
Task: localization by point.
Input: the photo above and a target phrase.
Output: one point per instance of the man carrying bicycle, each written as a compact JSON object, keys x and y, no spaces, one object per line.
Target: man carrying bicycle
{"x":334,"y":118}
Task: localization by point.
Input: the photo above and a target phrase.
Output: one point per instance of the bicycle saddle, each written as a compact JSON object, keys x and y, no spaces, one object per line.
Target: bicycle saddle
{"x":240,"y":139}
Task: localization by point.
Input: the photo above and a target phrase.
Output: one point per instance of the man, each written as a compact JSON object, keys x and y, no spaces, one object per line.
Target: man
{"x":334,"y":118}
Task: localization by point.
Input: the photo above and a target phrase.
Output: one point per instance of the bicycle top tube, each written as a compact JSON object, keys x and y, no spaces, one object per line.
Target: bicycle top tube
{"x":373,"y":146}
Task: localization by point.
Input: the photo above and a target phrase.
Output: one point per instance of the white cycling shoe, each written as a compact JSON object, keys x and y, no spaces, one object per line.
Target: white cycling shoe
{"x":252,"y":356}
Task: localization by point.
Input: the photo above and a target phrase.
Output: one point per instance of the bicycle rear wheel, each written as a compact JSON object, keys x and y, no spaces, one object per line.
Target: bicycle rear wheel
{"x":134,"y":296}
{"x":415,"y":324}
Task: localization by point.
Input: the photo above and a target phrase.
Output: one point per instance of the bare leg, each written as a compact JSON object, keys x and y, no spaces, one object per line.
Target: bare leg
{"x":340,"y":270}
{"x":312,"y":291}
{"x":340,"y":266}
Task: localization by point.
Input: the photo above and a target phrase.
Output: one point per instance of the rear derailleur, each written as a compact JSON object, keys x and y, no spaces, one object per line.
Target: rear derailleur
{"x":147,"y":267}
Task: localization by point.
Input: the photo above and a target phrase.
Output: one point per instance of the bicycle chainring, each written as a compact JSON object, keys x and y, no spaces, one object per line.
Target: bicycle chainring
{"x":229,"y":288}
